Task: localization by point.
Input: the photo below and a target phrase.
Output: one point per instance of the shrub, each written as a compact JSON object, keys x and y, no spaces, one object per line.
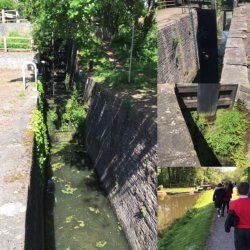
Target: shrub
{"x":7,"y":4}
{"x":228,"y":136}
{"x":75,"y":114}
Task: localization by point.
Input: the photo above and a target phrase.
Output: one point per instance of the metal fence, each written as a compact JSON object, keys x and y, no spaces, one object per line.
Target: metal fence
{"x":163,"y":4}
{"x":11,"y":16}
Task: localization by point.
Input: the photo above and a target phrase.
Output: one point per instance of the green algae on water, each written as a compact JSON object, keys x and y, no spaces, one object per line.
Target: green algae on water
{"x":101,"y":244}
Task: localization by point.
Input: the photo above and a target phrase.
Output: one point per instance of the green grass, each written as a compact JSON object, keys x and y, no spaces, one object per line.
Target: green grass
{"x":180,"y":189}
{"x":228,"y":135}
{"x":119,"y":79}
{"x":16,"y":41}
{"x":144,"y":66}
{"x":192,"y":230}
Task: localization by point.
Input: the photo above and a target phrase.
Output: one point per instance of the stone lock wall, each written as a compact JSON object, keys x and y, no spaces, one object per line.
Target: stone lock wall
{"x":177,"y":50}
{"x":121,"y":141}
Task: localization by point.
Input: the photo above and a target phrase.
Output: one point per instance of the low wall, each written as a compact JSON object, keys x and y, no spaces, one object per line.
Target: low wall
{"x":21,"y":28}
{"x":177,"y":49}
{"x":34,"y":226}
{"x":121,"y":141}
{"x":15,"y":60}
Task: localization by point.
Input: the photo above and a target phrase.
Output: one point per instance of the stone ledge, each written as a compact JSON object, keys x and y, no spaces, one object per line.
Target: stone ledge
{"x":175,"y":146}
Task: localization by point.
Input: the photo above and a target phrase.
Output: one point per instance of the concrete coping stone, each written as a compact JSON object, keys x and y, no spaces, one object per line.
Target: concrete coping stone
{"x":234,"y":74}
{"x":235,"y":56}
{"x":235,"y":43}
{"x":238,"y":26}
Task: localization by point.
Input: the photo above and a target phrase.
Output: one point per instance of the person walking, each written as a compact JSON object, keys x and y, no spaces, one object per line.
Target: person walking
{"x":241,"y":207}
{"x":228,"y":191}
{"x":218,"y":198}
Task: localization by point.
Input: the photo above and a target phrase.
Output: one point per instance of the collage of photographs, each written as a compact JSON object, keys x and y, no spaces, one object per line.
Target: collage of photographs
{"x":124,"y":125}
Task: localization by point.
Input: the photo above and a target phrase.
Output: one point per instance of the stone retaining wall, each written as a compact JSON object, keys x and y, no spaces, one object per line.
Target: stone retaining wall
{"x":177,"y":50}
{"x":121,"y":142}
{"x":244,"y":94}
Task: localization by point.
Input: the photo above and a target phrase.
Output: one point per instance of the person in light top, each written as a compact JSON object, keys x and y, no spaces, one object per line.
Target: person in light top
{"x":241,"y":207}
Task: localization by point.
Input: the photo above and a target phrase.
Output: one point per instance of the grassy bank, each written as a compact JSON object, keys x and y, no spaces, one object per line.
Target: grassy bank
{"x":192,"y":230}
{"x":228,"y":135}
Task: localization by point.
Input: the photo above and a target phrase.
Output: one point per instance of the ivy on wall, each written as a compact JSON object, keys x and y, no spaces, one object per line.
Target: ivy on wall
{"x":40,"y":130}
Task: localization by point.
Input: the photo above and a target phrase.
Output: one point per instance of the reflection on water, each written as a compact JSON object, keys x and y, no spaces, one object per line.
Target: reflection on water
{"x":78,"y":216}
{"x":172,"y":207}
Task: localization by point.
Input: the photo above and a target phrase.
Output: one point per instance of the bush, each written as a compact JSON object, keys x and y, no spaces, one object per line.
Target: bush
{"x":228,"y":136}
{"x":7,"y":4}
{"x":75,"y":114}
{"x":228,"y":131}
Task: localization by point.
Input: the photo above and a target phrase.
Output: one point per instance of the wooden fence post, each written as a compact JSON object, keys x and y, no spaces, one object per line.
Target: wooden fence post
{"x":5,"y":43}
{"x":3,"y":16}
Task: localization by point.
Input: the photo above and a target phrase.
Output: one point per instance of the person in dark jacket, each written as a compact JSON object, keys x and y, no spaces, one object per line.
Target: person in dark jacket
{"x":218,"y":198}
{"x":228,"y":191}
{"x":241,"y":207}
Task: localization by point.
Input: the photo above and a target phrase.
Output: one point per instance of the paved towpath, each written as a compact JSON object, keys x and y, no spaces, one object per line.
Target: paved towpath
{"x":16,"y":141}
{"x":219,"y":239}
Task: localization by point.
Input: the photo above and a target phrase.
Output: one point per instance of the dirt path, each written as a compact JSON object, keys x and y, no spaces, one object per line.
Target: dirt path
{"x":15,"y":156}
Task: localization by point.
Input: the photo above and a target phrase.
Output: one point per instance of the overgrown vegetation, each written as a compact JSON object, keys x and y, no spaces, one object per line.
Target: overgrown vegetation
{"x":144,"y":63}
{"x":41,"y":134}
{"x":75,"y":114}
{"x":189,"y":177}
{"x":16,"y":41}
{"x":192,"y":230}
{"x":98,"y":35}
{"x":183,"y":179}
{"x":7,"y":4}
{"x":228,"y":135}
